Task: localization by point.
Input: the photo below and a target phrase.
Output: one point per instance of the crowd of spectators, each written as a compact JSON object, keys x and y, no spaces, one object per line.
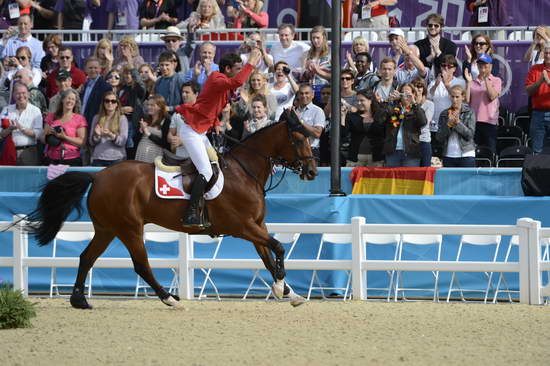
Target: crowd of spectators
{"x":411,"y":105}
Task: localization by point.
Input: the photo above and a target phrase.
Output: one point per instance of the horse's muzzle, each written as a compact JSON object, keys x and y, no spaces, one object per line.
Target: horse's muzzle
{"x":309,"y":171}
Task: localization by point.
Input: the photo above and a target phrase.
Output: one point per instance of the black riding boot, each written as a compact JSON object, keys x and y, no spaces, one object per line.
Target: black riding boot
{"x":193,"y":215}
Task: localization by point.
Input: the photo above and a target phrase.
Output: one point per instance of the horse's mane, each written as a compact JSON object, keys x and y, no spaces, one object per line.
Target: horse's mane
{"x":257,"y":132}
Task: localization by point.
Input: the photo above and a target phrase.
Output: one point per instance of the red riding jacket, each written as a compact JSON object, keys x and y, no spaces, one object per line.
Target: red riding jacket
{"x":203,"y":115}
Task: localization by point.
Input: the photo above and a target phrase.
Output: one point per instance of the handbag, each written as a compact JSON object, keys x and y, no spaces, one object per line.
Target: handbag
{"x":8,"y":155}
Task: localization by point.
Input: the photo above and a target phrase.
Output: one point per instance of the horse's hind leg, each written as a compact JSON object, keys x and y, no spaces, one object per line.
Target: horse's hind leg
{"x":136,"y":247}
{"x":95,"y":248}
{"x":269,"y":263}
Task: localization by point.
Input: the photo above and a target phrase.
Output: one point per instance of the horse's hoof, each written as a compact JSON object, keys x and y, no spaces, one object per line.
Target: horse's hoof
{"x":171,"y":301}
{"x":297,"y":300}
{"x":278,"y":289}
{"x":79,"y":302}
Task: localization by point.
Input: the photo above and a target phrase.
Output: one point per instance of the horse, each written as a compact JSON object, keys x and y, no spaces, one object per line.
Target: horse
{"x":121,"y":200}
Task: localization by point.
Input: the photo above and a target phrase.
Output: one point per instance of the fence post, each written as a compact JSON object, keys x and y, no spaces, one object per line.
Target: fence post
{"x":533,"y":245}
{"x":18,"y":276}
{"x":529,"y":261}
{"x":357,"y":256}
{"x":186,"y":280}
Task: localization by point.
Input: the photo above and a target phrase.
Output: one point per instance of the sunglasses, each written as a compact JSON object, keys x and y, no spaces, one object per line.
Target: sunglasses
{"x":347,"y":78}
{"x":448,"y":66}
{"x":64,"y":57}
{"x":21,"y":57}
{"x":434,"y":26}
{"x":419,"y":85}
{"x":480,"y":43}
{"x":171,"y":40}
{"x":111,"y":101}
{"x":116,"y":77}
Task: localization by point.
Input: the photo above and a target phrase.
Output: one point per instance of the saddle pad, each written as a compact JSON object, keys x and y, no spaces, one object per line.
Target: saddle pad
{"x":168,"y":185}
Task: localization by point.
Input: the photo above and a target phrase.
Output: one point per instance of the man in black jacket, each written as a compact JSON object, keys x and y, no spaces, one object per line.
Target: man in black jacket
{"x":434,"y":47}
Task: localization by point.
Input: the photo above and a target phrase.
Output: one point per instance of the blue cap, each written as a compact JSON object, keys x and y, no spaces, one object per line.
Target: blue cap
{"x":485,"y":58}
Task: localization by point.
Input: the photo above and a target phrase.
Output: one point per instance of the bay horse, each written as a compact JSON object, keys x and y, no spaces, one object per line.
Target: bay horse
{"x":122,"y":200}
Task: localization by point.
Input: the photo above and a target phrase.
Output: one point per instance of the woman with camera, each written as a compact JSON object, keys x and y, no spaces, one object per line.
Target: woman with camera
{"x":65,"y":131}
{"x":109,"y":132}
{"x":404,"y":121}
{"x":284,"y":88}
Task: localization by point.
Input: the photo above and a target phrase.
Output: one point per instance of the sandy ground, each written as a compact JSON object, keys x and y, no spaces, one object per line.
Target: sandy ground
{"x":146,"y":332}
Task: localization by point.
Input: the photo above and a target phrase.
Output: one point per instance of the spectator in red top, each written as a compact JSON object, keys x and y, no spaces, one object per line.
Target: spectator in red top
{"x":250,"y":15}
{"x":490,"y":13}
{"x":537,"y":86}
{"x":65,"y":56}
{"x":372,"y":14}
{"x":202,"y":116}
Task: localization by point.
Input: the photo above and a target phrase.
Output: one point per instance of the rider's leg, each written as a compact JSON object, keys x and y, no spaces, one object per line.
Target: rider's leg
{"x":194,"y":143}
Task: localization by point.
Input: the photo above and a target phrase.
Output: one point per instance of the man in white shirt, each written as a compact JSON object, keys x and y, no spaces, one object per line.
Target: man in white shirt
{"x":10,"y":45}
{"x":288,"y":50}
{"x":312,"y":117}
{"x":25,"y":126}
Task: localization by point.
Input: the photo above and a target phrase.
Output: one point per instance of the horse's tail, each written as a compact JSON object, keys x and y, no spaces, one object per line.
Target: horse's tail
{"x":59,"y":197}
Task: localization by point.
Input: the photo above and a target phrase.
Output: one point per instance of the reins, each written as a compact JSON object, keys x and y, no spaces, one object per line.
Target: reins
{"x":272,"y":162}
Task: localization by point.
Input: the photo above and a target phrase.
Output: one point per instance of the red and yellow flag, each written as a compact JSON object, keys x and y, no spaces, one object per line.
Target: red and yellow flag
{"x":393,"y":180}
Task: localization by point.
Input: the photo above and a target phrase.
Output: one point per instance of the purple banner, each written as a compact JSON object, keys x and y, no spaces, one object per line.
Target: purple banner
{"x":412,"y":13}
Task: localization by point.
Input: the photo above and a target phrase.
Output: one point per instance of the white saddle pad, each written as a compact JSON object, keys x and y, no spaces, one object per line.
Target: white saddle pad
{"x":168,"y":185}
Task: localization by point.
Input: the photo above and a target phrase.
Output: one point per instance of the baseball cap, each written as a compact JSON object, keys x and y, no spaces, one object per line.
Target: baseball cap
{"x":397,"y":32}
{"x":63,"y":75}
{"x":485,"y":58}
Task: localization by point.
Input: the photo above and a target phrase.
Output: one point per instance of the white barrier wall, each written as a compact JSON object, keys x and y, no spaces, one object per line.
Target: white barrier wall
{"x":529,"y":265}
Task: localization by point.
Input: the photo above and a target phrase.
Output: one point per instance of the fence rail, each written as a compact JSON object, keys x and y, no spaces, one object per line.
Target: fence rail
{"x":528,"y":231}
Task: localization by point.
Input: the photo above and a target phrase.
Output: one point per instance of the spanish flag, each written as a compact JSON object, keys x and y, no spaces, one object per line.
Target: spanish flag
{"x":418,"y":181}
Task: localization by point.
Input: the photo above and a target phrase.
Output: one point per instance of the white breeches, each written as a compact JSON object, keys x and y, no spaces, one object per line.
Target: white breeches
{"x":196,"y":143}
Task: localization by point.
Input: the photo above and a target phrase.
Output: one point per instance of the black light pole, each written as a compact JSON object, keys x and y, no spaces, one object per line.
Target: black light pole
{"x":335,"y":34}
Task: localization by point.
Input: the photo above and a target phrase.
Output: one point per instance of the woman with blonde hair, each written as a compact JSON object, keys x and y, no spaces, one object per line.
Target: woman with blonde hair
{"x":318,"y":63}
{"x":250,"y":15}
{"x":109,"y":132}
{"x":127,"y":52}
{"x":535,"y":53}
{"x":256,"y":85}
{"x":154,"y":130}
{"x":104,"y":53}
{"x":207,"y":16}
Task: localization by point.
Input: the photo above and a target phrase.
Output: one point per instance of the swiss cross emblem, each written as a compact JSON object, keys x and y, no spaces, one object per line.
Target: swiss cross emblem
{"x":164,"y":189}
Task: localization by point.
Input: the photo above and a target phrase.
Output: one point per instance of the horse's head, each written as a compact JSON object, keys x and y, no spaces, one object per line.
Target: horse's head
{"x":298,"y":154}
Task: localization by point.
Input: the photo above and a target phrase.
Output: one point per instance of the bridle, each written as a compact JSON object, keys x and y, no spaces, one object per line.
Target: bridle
{"x":295,"y":166}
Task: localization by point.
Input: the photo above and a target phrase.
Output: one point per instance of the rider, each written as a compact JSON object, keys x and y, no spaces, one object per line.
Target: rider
{"x":203,"y":115}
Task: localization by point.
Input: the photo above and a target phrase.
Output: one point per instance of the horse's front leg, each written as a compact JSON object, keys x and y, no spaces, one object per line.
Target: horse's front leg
{"x":280,"y":288}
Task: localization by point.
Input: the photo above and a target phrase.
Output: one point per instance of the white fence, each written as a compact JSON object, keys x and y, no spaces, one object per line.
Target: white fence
{"x":529,"y":265}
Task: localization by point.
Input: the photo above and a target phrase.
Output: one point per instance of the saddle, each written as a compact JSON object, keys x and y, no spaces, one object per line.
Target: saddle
{"x":170,"y":162}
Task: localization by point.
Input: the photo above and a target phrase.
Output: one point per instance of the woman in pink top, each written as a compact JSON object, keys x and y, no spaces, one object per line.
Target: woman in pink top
{"x":482,"y":94}
{"x":65,"y":131}
{"x":250,"y":15}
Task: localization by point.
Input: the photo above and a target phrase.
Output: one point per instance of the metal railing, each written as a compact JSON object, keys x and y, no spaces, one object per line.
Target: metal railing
{"x":520,"y":33}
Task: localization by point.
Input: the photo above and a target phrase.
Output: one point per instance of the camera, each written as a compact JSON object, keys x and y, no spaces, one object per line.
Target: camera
{"x":58,"y":129}
{"x":286,"y":70}
{"x":250,"y":43}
